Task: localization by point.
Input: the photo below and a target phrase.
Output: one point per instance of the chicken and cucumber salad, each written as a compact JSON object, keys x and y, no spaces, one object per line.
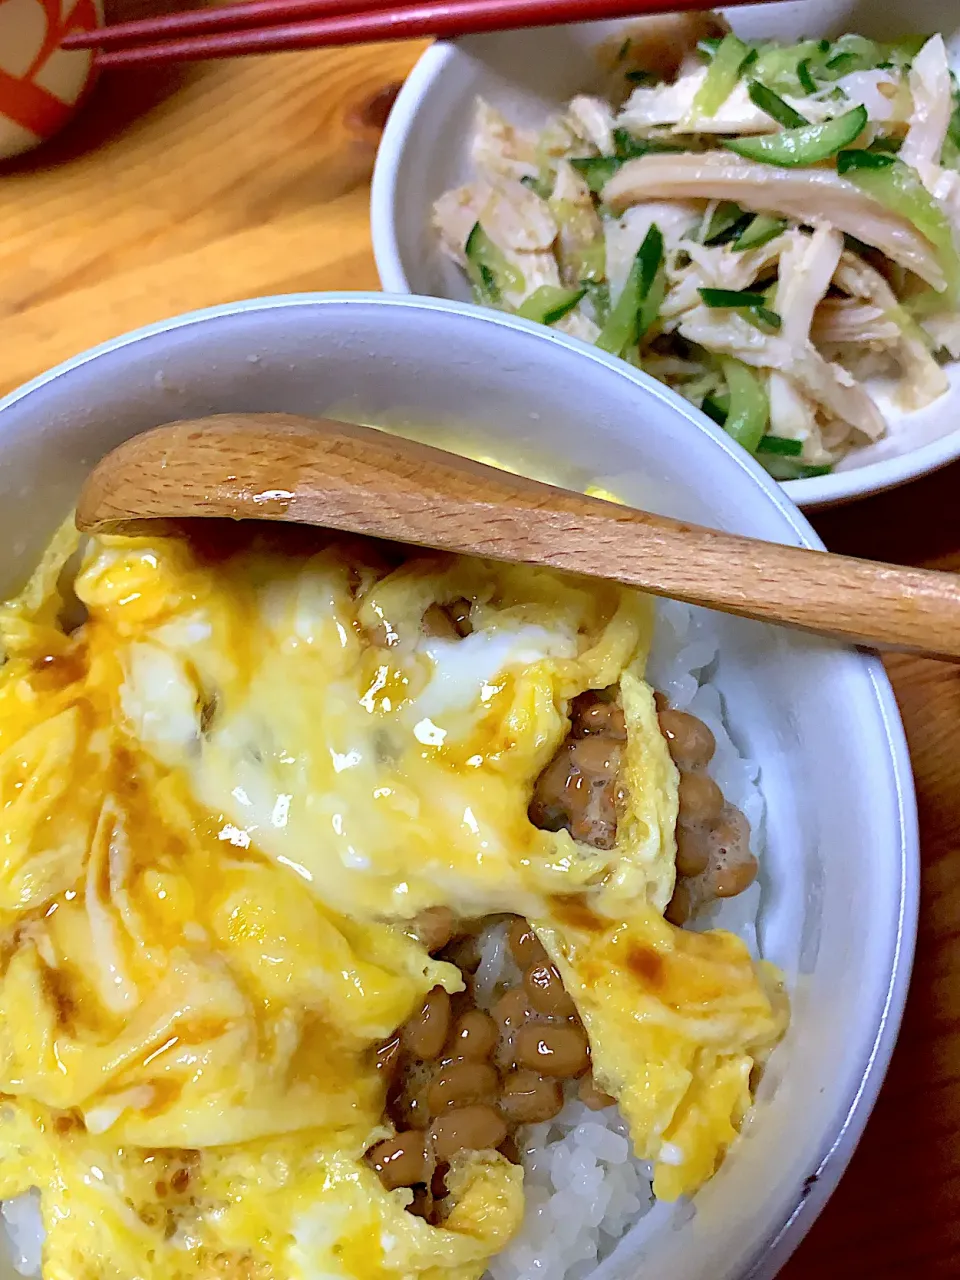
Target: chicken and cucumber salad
{"x":770,"y":229}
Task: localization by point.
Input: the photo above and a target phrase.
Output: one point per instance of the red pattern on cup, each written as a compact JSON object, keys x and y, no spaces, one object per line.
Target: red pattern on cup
{"x":41,"y":99}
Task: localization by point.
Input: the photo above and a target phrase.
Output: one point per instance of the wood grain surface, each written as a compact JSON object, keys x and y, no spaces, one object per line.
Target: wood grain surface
{"x":251,"y":178}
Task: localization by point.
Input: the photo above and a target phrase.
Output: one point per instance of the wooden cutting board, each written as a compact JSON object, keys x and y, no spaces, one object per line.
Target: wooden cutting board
{"x":220,"y":181}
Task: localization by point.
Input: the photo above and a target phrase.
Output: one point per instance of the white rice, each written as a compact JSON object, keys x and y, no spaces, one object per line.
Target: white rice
{"x":584,"y":1187}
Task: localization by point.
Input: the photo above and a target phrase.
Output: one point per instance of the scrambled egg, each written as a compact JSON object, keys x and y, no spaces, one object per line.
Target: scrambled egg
{"x":225,"y":797}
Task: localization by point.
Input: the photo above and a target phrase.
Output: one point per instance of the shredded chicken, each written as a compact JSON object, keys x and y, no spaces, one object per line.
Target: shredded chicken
{"x":710,"y":266}
{"x":579,"y":227}
{"x":625,"y":235}
{"x":513,"y":216}
{"x":671,"y":105}
{"x":875,"y":90}
{"x":456,"y":213}
{"x":728,"y":333}
{"x":841,"y":321}
{"x":829,"y":385}
{"x":944,"y":330}
{"x":499,"y":150}
{"x":516,"y":219}
{"x":592,"y":120}
{"x":725,"y":268}
{"x":793,"y":416}
{"x":932,"y":108}
{"x":808,"y":195}
{"x":838,"y":391}
{"x":926,"y":381}
{"x":576,"y":325}
{"x":807,"y":265}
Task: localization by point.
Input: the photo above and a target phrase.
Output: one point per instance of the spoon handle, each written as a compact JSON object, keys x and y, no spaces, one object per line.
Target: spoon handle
{"x":361,"y":480}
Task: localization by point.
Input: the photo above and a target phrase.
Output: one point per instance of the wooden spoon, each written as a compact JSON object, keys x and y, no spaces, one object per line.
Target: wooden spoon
{"x":364,"y":481}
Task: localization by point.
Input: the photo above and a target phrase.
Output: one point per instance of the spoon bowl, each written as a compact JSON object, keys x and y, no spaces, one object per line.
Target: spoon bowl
{"x":364,"y":481}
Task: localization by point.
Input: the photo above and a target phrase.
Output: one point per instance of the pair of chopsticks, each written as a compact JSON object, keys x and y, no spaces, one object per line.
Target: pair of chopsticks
{"x":270,"y":26}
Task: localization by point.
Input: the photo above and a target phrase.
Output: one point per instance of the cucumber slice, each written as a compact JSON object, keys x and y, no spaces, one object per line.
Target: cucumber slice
{"x":899,"y":188}
{"x":488,"y":269}
{"x":848,"y":161}
{"x":857,"y":53}
{"x":781,"y":445}
{"x":627,"y":147}
{"x":807,"y":145}
{"x":721,"y":78}
{"x":885,"y":143}
{"x":779,"y":66}
{"x":631,"y":317}
{"x":596,"y":171}
{"x":598,"y":292}
{"x":549,"y":303}
{"x":762,"y":229}
{"x":749,"y":407}
{"x":717,"y":408}
{"x":539,"y":186}
{"x":590,"y":262}
{"x":789,"y":469}
{"x":726,"y":223}
{"x":651,"y":303}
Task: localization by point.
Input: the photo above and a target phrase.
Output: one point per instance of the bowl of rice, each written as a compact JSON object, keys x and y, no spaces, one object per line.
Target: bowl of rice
{"x":806,"y":743}
{"x":759,"y":207}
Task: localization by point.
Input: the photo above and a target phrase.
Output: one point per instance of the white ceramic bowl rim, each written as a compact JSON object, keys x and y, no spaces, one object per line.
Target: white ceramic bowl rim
{"x":842,"y":1141}
{"x":839,"y":486}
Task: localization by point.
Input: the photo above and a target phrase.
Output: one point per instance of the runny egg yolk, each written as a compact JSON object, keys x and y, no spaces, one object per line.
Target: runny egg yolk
{"x":226,"y":795}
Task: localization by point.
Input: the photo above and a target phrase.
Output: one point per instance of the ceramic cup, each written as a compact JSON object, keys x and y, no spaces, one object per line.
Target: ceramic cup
{"x":41,"y":85}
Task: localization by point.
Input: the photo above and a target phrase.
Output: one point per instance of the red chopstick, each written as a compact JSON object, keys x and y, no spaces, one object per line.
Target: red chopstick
{"x":438,"y":18}
{"x":223,"y":17}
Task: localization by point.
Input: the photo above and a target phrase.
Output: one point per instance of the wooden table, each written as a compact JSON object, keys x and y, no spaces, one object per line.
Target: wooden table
{"x":225,"y":181}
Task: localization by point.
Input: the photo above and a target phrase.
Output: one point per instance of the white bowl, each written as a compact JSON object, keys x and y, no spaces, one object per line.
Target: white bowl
{"x":528,"y":74}
{"x":840,"y":874}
